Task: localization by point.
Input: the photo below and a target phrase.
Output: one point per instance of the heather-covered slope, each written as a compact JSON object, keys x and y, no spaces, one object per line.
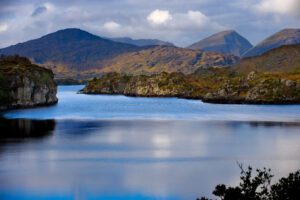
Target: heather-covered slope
{"x":282,"y":59}
{"x":283,"y":37}
{"x":167,"y":59}
{"x":229,"y":42}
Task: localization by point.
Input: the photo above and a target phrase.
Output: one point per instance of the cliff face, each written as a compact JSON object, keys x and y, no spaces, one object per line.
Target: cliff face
{"x":23,"y":84}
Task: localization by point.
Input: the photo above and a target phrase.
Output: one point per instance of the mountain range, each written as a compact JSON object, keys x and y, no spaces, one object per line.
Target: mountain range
{"x":74,"y":53}
{"x":229,"y":42}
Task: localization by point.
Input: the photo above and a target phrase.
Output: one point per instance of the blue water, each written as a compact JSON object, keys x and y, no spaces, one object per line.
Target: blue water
{"x":116,"y":147}
{"x":80,"y":106}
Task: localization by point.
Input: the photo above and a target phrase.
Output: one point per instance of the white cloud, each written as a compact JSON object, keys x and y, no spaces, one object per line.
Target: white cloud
{"x":197,"y":17}
{"x":181,"y":22}
{"x":190,"y":20}
{"x":158,"y":17}
{"x":111,"y":26}
{"x":283,"y":7}
{"x":3,"y":27}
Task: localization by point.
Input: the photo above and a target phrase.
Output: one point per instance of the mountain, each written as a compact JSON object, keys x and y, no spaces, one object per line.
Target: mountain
{"x":141,"y":42}
{"x":70,"y":48}
{"x":282,"y":59}
{"x":229,"y":42}
{"x":283,"y":37}
{"x":167,"y":59}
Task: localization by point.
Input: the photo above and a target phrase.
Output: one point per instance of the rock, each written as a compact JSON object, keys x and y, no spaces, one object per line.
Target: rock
{"x":251,"y":76}
{"x":288,"y":83}
{"x":222,"y":92}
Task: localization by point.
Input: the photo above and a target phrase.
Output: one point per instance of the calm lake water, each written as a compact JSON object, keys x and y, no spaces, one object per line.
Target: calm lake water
{"x":91,"y":147}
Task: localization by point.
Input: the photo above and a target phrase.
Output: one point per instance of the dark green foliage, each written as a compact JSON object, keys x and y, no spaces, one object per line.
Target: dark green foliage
{"x":259,"y":187}
{"x":287,"y":188}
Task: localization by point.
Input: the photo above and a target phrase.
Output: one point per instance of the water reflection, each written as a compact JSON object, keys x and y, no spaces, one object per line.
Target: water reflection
{"x":128,"y":159}
{"x":25,"y":128}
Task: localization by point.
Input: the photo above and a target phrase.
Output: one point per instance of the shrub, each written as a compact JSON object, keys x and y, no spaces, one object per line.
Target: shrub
{"x":259,"y":187}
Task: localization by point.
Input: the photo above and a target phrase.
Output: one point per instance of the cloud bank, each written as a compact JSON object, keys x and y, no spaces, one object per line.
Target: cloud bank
{"x":179,"y":21}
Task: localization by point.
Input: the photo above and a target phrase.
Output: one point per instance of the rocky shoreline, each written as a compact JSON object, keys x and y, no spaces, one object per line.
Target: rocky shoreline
{"x":252,"y":88}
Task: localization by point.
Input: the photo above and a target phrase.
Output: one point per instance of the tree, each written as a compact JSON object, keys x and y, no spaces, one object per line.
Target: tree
{"x":259,"y":187}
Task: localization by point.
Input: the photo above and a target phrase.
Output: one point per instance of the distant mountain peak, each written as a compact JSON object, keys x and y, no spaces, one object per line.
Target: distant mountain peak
{"x":73,"y":33}
{"x":288,"y":36}
{"x":72,"y":48}
{"x":228,"y":41}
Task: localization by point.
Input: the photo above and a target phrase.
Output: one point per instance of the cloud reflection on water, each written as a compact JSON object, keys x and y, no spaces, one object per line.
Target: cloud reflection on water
{"x":168,"y":159}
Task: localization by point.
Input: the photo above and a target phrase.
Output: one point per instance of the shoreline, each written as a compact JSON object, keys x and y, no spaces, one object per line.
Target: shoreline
{"x":204,"y":100}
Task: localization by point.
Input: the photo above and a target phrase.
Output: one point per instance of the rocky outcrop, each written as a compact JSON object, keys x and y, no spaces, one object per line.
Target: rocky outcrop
{"x":255,"y":90}
{"x":161,"y":85}
{"x":23,"y":84}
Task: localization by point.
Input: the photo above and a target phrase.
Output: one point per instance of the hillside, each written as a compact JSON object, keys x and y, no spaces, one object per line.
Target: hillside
{"x":283,"y":37}
{"x":167,"y":59}
{"x":229,"y":42}
{"x":70,"y":48}
{"x":282,"y":59}
{"x":142,"y":42}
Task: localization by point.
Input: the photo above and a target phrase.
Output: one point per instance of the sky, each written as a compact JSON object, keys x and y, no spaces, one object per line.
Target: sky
{"x":181,"y":22}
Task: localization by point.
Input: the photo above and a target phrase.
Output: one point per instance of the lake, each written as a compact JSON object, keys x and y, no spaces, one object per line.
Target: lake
{"x":90,"y":147}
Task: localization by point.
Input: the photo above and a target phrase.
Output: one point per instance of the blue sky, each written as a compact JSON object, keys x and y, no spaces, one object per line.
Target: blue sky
{"x":179,"y":21}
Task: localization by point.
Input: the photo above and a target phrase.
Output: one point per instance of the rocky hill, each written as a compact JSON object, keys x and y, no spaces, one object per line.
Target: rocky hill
{"x":23,"y":84}
{"x":159,"y":59}
{"x":142,"y":42}
{"x":70,"y":49}
{"x":229,"y":42}
{"x":283,"y":37}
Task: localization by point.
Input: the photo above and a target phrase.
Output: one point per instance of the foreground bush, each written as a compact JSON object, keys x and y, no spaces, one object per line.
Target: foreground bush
{"x":259,"y":187}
